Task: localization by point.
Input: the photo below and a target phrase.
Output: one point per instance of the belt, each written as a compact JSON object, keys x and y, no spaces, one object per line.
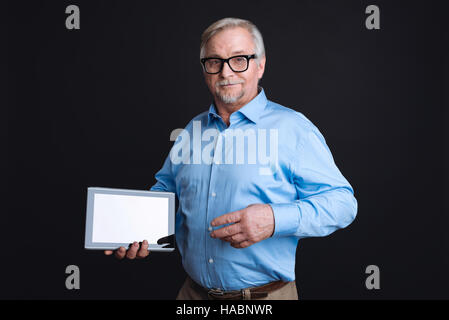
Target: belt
{"x":244,"y":294}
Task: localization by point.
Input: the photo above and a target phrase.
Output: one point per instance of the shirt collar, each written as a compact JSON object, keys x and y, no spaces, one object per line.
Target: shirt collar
{"x":252,"y":110}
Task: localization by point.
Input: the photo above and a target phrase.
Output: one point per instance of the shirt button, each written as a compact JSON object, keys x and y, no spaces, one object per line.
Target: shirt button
{"x":211,"y":260}
{"x":210,"y":229}
{"x":213,"y":194}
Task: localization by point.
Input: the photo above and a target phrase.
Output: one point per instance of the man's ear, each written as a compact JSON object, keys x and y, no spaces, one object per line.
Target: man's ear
{"x":261,"y":67}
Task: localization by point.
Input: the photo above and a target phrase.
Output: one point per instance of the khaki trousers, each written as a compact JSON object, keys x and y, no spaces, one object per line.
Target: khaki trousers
{"x":190,"y":292}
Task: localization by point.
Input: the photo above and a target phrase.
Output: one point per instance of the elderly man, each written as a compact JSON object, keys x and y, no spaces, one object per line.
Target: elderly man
{"x":240,"y":218}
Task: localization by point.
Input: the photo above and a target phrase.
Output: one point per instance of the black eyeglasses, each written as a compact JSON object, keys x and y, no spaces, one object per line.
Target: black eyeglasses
{"x":236,"y":63}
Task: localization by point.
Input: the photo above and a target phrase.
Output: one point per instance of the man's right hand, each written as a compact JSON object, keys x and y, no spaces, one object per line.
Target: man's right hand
{"x":134,"y":251}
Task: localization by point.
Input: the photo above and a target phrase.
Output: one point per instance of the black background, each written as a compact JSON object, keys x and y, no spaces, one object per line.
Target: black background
{"x":95,"y":107}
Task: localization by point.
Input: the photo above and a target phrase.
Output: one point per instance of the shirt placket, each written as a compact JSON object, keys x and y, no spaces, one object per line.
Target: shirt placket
{"x":211,"y":204}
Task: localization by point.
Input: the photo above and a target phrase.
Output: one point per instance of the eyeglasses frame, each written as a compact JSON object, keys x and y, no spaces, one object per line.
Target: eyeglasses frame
{"x":223,"y":61}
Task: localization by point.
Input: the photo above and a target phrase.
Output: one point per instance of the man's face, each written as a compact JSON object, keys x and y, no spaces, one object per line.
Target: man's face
{"x":228,"y":86}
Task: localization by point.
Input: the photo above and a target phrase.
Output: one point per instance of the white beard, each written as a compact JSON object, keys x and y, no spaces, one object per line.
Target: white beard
{"x":229,"y":98}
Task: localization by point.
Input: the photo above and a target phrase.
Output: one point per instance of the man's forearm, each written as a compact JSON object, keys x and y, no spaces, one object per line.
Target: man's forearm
{"x":315,"y":216}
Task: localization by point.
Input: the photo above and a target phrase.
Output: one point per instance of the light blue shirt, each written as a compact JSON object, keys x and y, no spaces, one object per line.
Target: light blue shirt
{"x":284,"y":162}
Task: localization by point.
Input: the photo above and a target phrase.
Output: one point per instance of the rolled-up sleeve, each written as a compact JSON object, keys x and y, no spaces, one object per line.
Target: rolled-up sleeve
{"x":325,"y":201}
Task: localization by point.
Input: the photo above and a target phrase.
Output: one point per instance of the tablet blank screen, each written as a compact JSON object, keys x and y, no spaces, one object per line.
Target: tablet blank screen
{"x":126,"y":218}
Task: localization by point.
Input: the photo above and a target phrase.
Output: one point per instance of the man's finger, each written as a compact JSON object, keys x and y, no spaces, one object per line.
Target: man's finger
{"x":132,"y":251}
{"x":230,"y":217}
{"x":143,"y":252}
{"x":236,"y":238}
{"x":120,"y":253}
{"x":242,"y":245}
{"x":226,"y":231}
{"x":108,"y":252}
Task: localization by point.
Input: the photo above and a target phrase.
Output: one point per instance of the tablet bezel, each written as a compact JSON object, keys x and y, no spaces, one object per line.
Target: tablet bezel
{"x":91,"y":191}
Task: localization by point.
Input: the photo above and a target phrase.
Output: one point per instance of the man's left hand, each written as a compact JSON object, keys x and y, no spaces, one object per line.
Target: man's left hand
{"x":249,"y":226}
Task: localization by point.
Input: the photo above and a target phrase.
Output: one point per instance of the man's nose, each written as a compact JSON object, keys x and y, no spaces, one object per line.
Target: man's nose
{"x":226,"y":70}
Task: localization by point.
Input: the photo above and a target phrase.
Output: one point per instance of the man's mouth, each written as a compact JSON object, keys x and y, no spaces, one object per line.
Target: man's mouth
{"x":229,"y":85}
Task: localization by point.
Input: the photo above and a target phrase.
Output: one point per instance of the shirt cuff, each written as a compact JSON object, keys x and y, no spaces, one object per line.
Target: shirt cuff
{"x":286,"y":218}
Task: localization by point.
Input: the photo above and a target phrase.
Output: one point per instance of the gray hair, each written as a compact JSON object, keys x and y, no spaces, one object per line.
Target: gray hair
{"x":228,"y":23}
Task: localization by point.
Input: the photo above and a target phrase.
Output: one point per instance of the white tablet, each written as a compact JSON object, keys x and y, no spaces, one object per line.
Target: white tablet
{"x":118,"y":217}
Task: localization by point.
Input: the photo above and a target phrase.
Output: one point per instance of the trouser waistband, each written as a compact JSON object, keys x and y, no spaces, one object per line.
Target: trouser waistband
{"x":243,"y":294}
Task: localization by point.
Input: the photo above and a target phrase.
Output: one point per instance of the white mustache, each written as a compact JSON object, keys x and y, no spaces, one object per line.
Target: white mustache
{"x":227,"y":82}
